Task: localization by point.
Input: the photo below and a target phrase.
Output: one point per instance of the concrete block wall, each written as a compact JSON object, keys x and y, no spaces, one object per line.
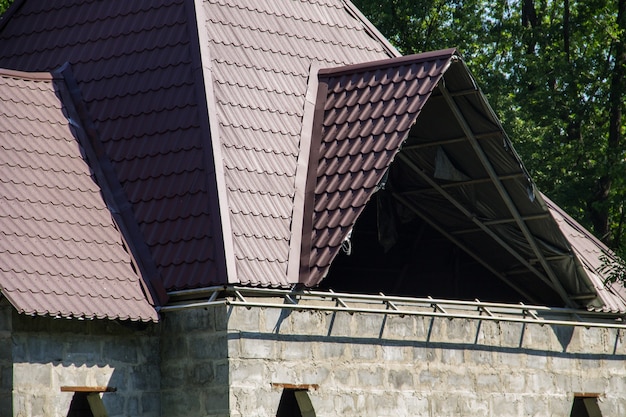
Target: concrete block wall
{"x":194,"y":363}
{"x":6,"y":358}
{"x":377,"y":365}
{"x":48,"y":353}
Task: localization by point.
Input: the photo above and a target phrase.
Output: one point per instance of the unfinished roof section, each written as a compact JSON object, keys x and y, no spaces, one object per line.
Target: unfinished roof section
{"x":60,"y":253}
{"x":260,"y":54}
{"x":138,"y":68}
{"x":591,"y":251}
{"x":364,"y":113}
{"x":459,"y":172}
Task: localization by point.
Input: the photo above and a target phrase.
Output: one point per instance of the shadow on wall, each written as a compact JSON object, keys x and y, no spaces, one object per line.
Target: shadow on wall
{"x":60,"y":366}
{"x":458,"y":333}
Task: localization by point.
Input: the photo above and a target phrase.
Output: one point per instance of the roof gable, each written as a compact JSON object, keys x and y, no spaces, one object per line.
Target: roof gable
{"x":206,"y":110}
{"x":364,"y":115}
{"x":62,"y":253}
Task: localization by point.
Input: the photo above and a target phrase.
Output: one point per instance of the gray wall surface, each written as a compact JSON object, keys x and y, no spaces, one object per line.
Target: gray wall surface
{"x":233,"y":361}
{"x":194,"y":363}
{"x":376,"y":365}
{"x":48,"y":353}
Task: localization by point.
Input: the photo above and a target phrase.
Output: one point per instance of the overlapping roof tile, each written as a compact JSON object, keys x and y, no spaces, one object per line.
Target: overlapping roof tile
{"x":61,"y":254}
{"x":136,"y":64}
{"x":593,"y":255}
{"x":368,"y":111}
{"x":261,"y":54}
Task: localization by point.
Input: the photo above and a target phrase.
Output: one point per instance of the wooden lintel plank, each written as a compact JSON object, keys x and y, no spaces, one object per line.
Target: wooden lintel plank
{"x":66,"y":388}
{"x":295,"y":386}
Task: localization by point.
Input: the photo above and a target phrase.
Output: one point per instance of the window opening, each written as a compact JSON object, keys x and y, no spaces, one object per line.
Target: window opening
{"x":295,"y":402}
{"x":86,"y":401}
{"x":585,"y":405}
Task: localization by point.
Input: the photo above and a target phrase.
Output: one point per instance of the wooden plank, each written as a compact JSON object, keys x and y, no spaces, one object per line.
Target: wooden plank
{"x":295,"y":386}
{"x":67,"y":388}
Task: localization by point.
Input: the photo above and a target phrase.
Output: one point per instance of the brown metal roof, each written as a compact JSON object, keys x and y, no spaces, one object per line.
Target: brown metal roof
{"x":137,"y":66}
{"x":140,"y":69}
{"x":364,"y":117}
{"x":458,"y":171}
{"x":61,"y":254}
{"x":203,"y":113}
{"x":260,"y":54}
{"x":590,"y":250}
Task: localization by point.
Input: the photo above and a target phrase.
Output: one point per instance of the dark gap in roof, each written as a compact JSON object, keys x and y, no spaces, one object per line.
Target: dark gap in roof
{"x":422,"y":263}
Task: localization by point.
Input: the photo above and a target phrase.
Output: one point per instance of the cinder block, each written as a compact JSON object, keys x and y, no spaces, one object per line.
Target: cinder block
{"x":401,"y":379}
{"x":371,"y":377}
{"x":368,"y":325}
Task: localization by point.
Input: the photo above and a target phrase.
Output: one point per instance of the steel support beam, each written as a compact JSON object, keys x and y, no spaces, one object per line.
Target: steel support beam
{"x":474,"y":219}
{"x":458,"y":114}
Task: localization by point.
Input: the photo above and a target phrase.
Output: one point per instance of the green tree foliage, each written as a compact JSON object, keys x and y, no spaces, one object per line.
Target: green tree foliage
{"x":4,"y":4}
{"x":555,"y":72}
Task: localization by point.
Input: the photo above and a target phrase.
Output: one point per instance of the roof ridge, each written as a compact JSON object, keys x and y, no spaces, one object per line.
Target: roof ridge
{"x":113,"y":194}
{"x":24,"y":75}
{"x":389,"y":62}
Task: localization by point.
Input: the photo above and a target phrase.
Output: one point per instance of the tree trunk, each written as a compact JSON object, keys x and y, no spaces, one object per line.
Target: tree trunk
{"x":599,"y":205}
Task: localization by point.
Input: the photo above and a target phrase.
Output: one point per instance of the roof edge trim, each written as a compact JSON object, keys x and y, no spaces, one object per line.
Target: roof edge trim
{"x":10,"y":12}
{"x":315,"y":141}
{"x":370,"y":28}
{"x":204,"y":74}
{"x":31,"y":76}
{"x":302,"y":173}
{"x":112,"y":190}
{"x":389,"y":62}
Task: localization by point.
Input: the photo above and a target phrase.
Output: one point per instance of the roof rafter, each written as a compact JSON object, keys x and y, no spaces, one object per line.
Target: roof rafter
{"x":468,"y":182}
{"x":461,"y":245}
{"x":450,"y":141}
{"x":458,"y":114}
{"x":494,"y":222}
{"x":474,"y":219}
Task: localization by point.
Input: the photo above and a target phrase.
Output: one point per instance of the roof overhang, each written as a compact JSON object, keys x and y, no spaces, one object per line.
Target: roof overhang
{"x":458,"y":171}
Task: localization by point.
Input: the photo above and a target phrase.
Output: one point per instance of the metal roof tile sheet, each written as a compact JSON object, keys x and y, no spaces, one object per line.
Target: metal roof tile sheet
{"x":61,"y":252}
{"x":261,"y":54}
{"x":590,"y":251}
{"x":375,"y":101}
{"x":135,"y":64}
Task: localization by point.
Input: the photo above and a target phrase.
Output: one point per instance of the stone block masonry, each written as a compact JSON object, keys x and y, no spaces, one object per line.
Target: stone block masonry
{"x":375,"y":365}
{"x":194,"y":363}
{"x":45,"y":354}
